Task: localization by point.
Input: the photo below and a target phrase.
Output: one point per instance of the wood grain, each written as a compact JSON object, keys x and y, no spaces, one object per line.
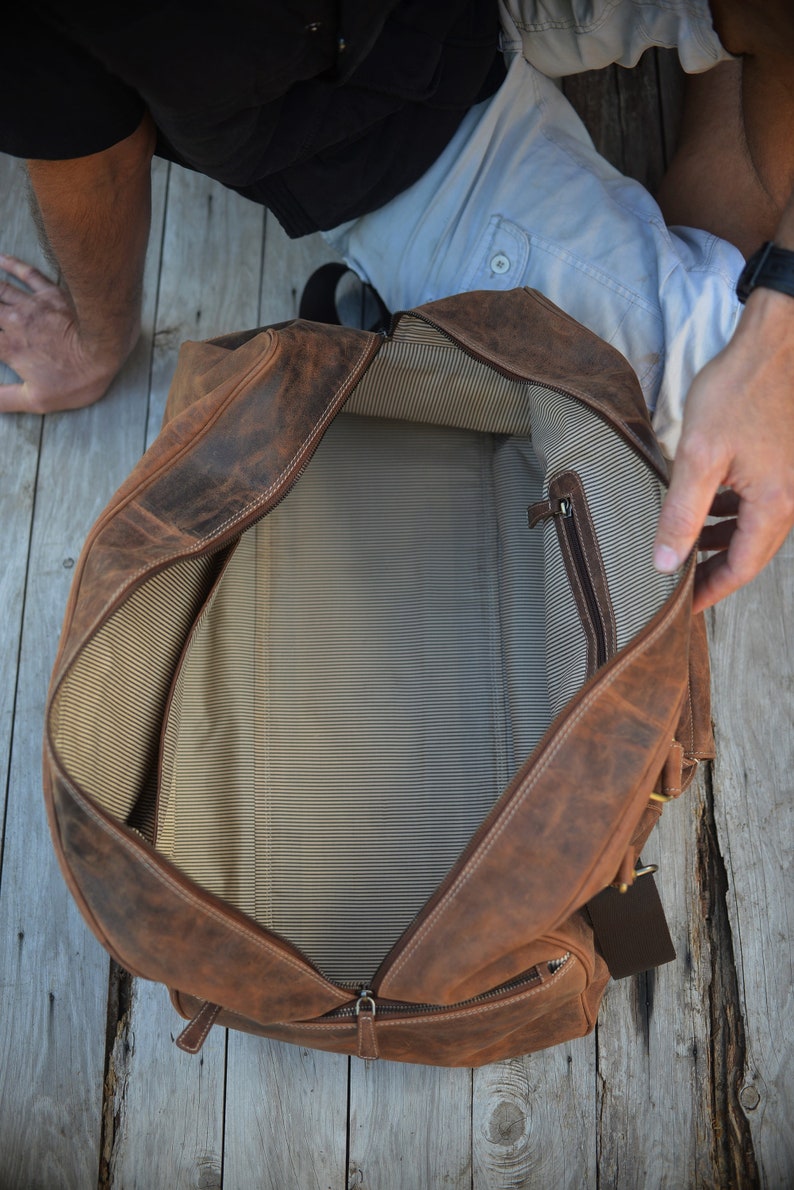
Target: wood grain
{"x":20,"y":441}
{"x":157,"y":1093}
{"x":409,"y":1126}
{"x":288,"y":265}
{"x":534,"y":1120}
{"x":54,"y":1018}
{"x":655,"y":1122}
{"x":167,"y":1106}
{"x":210,"y":280}
{"x":753,"y":672}
{"x":286,"y":1117}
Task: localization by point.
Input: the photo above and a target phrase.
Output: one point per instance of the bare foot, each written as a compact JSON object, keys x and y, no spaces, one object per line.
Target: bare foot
{"x":41,"y":340}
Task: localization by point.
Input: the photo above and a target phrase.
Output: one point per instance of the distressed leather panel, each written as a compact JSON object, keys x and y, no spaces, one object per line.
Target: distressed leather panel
{"x":572,"y":936}
{"x":228,"y":455}
{"x":165,"y":928}
{"x":559,"y":1008}
{"x":567,"y":815}
{"x":695,"y":729}
{"x":531,"y":338}
{"x":555,"y":838}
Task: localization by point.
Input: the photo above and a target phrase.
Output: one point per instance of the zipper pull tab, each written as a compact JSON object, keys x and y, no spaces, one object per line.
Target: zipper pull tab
{"x":544,"y":509}
{"x":365,"y":1019}
{"x":195,"y":1032}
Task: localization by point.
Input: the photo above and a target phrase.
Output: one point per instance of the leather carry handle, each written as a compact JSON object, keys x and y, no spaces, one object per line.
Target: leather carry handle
{"x":318,"y":301}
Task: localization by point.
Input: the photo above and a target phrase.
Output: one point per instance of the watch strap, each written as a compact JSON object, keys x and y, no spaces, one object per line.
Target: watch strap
{"x":768,"y":268}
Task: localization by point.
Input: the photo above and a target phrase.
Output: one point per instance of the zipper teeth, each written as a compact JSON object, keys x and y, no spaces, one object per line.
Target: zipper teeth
{"x":571,"y":530}
{"x":472,"y":354}
{"x":617,"y":424}
{"x":385,"y":1008}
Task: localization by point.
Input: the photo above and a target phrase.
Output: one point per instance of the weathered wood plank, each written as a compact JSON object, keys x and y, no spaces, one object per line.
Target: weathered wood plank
{"x":632,"y":115}
{"x":20,"y":438}
{"x":166,"y":1106}
{"x":212,"y":264}
{"x":672,"y":87}
{"x":655,"y":1109}
{"x":286,"y":1117}
{"x":410,"y":1126}
{"x":753,"y":679}
{"x":208,"y":283}
{"x":594,"y":95}
{"x":534,"y":1120}
{"x":286,"y":1109}
{"x":54,"y":1020}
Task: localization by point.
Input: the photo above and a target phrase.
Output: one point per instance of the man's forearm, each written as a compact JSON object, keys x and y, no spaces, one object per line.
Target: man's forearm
{"x":738,"y":432}
{"x":67,"y":342}
{"x":94,"y":213}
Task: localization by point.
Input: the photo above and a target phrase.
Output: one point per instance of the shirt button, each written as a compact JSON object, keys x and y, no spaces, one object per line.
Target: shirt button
{"x":500,"y":263}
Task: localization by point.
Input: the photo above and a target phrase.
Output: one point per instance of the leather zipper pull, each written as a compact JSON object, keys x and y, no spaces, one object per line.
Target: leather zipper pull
{"x":194,"y":1034}
{"x":365,"y":1020}
{"x":542,"y":510}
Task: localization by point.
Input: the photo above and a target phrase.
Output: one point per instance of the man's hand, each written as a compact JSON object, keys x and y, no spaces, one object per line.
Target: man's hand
{"x":738,"y":433}
{"x":40,"y":339}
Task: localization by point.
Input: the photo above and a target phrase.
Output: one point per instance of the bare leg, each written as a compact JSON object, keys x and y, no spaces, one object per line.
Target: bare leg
{"x":712,"y":182}
{"x":733,"y":173}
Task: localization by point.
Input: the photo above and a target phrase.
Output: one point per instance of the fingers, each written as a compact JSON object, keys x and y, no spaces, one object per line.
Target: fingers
{"x":26,"y":273}
{"x":755,"y":538}
{"x":11,"y":294}
{"x":738,"y":432}
{"x":697,"y":473}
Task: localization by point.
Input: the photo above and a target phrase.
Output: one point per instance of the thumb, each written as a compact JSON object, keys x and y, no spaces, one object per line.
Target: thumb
{"x":692,"y":490}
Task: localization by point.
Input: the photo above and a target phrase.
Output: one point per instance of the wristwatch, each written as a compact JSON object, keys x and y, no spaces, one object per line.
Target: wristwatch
{"x":770,"y":268}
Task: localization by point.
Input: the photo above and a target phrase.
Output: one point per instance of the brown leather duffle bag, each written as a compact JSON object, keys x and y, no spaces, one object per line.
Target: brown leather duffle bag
{"x":368,"y":693}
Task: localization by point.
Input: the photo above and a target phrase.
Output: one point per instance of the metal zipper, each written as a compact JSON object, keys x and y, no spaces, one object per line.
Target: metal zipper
{"x":369,"y":1002}
{"x":561,"y":510}
{"x":618,"y":425}
{"x":567,"y":524}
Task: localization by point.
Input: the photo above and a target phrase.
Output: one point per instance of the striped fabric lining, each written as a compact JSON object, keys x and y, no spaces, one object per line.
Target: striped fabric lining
{"x":380,"y":655}
{"x":420,"y":376}
{"x":624,"y":497}
{"x":367,"y":618}
{"x":107,"y":717}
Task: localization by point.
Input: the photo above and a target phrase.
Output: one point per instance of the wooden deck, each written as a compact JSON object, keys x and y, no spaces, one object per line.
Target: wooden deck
{"x":687,"y":1081}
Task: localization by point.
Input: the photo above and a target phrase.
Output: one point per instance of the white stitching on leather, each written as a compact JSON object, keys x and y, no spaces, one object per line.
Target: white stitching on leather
{"x":499,"y":829}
